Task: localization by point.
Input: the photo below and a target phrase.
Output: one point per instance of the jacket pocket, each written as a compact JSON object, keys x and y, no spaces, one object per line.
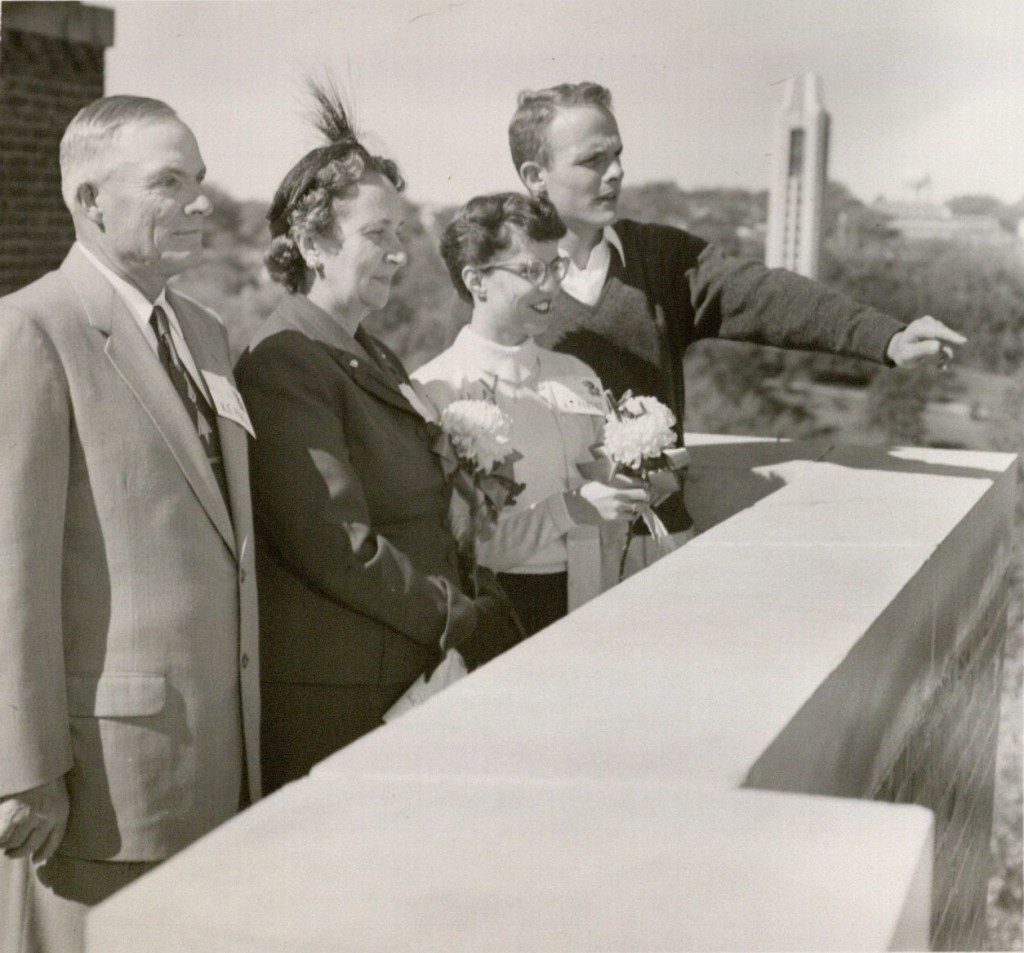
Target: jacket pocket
{"x":116,"y":695}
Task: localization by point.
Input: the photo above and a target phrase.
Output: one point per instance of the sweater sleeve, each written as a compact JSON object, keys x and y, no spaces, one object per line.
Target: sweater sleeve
{"x":742,"y":300}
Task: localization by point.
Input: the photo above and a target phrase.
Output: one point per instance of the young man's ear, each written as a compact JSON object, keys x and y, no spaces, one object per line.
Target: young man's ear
{"x":534,"y":177}
{"x":86,"y":200}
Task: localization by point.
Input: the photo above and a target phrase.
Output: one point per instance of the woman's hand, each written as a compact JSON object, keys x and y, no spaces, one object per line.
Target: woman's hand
{"x":595,"y":502}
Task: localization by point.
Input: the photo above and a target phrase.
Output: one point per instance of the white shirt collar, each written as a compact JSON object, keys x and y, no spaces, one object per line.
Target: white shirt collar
{"x":609,"y":237}
{"x":137,"y":303}
{"x":585,"y":283}
{"x":515,"y":363}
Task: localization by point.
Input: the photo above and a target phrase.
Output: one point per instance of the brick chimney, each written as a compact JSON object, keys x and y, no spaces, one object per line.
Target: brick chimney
{"x":51,"y":65}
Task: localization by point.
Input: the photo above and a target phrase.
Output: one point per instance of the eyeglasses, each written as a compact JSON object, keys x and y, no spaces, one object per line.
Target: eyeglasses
{"x":534,"y":271}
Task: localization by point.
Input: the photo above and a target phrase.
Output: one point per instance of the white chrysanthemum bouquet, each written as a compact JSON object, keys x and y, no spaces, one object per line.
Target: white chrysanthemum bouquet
{"x":637,"y":432}
{"x":480,"y":433}
{"x":639,"y":441}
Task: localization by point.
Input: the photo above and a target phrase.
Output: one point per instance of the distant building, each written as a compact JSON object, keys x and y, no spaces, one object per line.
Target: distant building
{"x":799,"y":168}
{"x":919,"y":221}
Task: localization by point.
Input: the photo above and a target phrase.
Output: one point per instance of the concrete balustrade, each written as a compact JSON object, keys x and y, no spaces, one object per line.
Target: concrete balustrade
{"x":702,"y":758}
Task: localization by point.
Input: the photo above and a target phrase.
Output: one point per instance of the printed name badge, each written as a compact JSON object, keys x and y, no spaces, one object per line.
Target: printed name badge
{"x":575,"y":395}
{"x":228,"y":401}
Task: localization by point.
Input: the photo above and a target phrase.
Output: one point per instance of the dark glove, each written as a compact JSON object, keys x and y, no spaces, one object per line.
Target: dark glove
{"x":484,"y":627}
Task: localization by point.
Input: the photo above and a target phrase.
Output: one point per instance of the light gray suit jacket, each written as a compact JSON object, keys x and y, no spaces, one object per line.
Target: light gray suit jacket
{"x":128,"y":631}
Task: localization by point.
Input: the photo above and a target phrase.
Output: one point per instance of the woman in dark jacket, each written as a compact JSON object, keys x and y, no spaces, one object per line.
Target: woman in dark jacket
{"x":358,"y":577}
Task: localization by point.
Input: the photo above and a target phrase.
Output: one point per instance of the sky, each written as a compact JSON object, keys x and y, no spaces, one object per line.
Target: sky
{"x":914,"y":87}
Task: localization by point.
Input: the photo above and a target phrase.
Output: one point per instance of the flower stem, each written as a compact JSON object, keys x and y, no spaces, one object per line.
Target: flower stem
{"x":625,"y":549}
{"x":474,"y":508}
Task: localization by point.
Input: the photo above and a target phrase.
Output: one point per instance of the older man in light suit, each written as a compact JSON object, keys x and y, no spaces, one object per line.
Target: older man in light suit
{"x":128,"y":681}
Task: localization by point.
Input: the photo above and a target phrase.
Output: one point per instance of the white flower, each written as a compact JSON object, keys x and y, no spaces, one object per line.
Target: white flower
{"x":480,"y":431}
{"x":642,"y":429}
{"x":651,"y":406}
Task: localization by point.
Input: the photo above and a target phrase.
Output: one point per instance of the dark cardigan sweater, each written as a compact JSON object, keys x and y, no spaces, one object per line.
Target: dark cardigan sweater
{"x":676,"y":288}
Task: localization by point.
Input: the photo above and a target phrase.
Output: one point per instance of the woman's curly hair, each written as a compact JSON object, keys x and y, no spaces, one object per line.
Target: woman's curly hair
{"x":304,"y":201}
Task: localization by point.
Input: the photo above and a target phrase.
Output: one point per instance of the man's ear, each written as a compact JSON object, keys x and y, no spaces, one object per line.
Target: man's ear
{"x":86,"y":198}
{"x":534,"y":177}
{"x":473,"y":279}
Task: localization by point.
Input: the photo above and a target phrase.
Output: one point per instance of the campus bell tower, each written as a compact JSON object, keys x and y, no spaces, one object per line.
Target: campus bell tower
{"x":799,"y":168}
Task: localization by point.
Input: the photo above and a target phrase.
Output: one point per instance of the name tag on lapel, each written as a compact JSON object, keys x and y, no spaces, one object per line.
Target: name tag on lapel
{"x":575,"y":395}
{"x":227,"y":401}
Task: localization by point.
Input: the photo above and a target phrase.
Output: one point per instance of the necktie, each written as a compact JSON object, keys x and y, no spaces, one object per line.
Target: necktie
{"x":202,"y":415}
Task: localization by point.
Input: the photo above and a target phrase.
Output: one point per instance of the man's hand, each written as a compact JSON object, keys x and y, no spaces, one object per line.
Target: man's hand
{"x":33,"y":822}
{"x":922,"y":340}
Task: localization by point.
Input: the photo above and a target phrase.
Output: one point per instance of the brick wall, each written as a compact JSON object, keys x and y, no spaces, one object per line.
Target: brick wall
{"x":51,"y":64}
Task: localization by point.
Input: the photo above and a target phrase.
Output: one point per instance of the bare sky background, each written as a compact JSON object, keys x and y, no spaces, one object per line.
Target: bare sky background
{"x":914,"y":86}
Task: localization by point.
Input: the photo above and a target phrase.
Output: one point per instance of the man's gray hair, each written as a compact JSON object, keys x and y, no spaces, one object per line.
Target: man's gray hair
{"x":89,"y":135}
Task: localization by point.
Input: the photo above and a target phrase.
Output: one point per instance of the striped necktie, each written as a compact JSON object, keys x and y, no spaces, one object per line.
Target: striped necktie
{"x":198,"y":408}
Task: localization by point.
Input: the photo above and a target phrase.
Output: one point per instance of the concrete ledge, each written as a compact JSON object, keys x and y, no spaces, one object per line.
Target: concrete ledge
{"x":586,"y":791}
{"x":446,"y":865}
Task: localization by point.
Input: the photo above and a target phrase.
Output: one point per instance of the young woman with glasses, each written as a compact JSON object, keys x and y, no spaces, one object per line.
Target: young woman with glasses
{"x":502,"y":255}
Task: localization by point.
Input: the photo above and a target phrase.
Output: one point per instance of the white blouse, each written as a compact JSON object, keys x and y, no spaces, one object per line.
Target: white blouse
{"x":557,"y":415}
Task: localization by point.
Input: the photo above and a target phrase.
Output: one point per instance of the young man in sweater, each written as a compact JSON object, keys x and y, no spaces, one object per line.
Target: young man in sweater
{"x":637,"y":295}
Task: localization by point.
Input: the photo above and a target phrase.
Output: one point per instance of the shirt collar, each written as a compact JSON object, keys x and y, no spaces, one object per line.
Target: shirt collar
{"x":612,"y":237}
{"x":136,"y":302}
{"x":609,"y":239}
{"x":515,"y":363}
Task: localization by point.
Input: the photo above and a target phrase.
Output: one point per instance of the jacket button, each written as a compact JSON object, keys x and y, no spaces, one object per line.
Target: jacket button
{"x":245,"y":660}
{"x":241,"y":575}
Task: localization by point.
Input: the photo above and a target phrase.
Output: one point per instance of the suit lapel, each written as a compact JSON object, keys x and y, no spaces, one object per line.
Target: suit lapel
{"x":372,"y":378}
{"x":133,"y":359}
{"x":234,"y":441}
{"x":211,"y":359}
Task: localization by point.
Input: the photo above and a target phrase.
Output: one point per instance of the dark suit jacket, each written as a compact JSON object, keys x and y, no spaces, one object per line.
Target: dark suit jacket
{"x":357,"y":570}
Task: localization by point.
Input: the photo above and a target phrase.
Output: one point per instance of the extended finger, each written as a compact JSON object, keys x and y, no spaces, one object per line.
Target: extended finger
{"x":929,"y":328}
